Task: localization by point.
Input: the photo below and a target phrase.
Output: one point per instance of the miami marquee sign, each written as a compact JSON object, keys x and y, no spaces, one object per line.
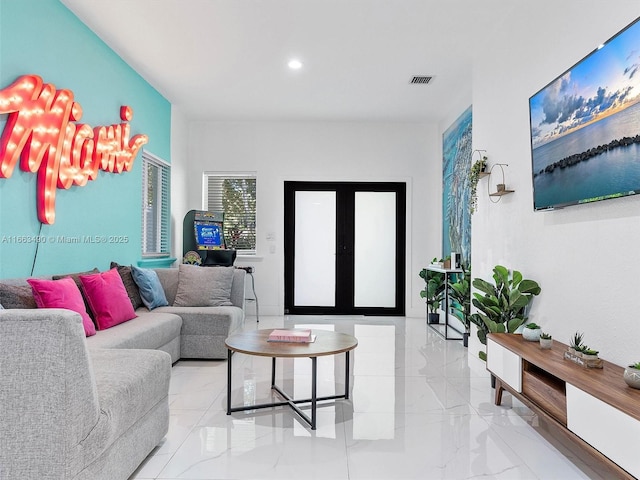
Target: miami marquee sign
{"x":40,"y":132}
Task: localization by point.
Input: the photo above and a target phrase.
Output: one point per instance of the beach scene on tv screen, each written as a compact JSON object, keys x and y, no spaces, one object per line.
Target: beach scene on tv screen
{"x":585,"y":127}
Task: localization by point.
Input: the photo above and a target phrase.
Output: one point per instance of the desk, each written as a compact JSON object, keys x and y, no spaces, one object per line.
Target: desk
{"x":255,"y":343}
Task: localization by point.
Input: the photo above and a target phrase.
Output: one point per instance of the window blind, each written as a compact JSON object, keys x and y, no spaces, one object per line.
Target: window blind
{"x":235,"y":195}
{"x":156,"y":178}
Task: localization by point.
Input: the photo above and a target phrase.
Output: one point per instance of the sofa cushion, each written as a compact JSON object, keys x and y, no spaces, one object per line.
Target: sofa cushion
{"x":203,"y":286}
{"x":129,"y":284}
{"x":169,"y":280}
{"x":129,"y":384}
{"x":151,"y":290}
{"x":17,"y":296}
{"x":63,"y":293}
{"x":207,"y":320}
{"x":149,"y":330}
{"x":204,"y":329}
{"x":107,"y":298}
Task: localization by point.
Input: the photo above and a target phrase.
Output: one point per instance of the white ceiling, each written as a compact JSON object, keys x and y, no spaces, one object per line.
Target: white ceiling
{"x":226,"y":59}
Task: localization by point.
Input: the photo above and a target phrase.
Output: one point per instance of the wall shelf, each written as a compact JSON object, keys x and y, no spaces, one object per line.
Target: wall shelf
{"x":497,"y":195}
{"x":501,"y":193}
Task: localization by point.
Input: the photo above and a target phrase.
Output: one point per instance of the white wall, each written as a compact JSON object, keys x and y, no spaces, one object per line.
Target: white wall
{"x":180,"y":183}
{"x":586,"y":258}
{"x":313,"y":151}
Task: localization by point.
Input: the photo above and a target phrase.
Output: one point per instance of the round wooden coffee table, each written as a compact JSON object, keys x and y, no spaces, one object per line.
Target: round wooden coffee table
{"x":255,"y":343}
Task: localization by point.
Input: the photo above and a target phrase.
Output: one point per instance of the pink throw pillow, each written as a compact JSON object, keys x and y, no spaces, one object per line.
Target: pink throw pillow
{"x":107,"y":297}
{"x":63,"y":293}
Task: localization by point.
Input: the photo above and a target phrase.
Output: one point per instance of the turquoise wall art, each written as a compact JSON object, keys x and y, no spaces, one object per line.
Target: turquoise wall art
{"x":456,"y":163}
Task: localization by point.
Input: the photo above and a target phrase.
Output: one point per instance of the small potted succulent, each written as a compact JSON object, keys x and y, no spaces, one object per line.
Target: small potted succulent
{"x":546,"y":341}
{"x":531,"y":332}
{"x":632,"y":375}
{"x":589,"y":353}
{"x":576,"y":343}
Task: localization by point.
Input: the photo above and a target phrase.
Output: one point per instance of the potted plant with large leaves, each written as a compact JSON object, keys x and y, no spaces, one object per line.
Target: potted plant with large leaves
{"x":502,"y":306}
{"x":433,"y":291}
{"x":460,"y":294}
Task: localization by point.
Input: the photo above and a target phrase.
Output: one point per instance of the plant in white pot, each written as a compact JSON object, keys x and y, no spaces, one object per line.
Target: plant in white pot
{"x":546,"y":341}
{"x":531,"y":332}
{"x":502,"y":306}
{"x":589,"y":353}
{"x":632,"y":375}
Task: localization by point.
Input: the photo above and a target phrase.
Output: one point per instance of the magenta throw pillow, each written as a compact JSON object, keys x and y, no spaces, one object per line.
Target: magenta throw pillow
{"x":62,"y":293}
{"x":107,"y":298}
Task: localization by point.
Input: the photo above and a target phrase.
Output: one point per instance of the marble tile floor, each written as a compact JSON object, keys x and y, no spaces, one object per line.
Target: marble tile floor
{"x":420,"y":408}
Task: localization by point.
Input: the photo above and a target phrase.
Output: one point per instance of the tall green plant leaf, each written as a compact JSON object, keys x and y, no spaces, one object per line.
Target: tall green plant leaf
{"x":529,"y":286}
{"x":514,"y":324}
{"x":516,"y":278}
{"x":484,"y":286}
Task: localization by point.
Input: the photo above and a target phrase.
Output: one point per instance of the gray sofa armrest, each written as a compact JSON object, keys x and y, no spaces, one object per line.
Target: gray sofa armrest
{"x":48,"y":396}
{"x":237,"y":288}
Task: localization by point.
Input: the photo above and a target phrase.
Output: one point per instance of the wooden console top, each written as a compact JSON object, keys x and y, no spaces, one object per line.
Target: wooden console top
{"x":606,"y":384}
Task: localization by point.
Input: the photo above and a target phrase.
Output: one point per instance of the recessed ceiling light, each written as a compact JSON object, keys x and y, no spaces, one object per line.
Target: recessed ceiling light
{"x":294,"y":64}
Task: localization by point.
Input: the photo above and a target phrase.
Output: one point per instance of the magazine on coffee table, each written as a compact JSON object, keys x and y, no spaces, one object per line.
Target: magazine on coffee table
{"x":291,"y":336}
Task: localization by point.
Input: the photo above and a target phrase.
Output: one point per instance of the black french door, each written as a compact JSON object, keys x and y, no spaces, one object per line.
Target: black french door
{"x":344,"y":248}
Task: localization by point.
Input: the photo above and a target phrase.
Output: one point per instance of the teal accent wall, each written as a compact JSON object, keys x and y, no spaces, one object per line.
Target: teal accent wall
{"x":44,"y":38}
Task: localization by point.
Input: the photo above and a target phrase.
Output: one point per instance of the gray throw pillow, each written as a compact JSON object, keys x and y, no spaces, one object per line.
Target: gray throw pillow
{"x":129,"y":284}
{"x":203,"y":286}
{"x":16,"y":296}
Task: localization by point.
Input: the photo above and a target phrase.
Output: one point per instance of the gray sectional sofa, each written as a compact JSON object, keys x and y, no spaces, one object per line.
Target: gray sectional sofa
{"x":76,"y":407}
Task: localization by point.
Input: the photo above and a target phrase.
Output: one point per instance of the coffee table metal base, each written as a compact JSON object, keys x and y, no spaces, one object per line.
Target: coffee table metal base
{"x":293,"y":403}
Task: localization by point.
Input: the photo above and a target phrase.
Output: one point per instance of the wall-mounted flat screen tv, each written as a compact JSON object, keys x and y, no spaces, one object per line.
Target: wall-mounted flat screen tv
{"x":585,"y":127}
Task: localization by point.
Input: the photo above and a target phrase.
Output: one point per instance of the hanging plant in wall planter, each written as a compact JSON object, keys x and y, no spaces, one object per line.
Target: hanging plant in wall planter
{"x":478,"y":168}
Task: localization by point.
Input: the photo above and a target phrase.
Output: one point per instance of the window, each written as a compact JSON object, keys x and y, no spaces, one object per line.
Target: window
{"x":156,"y":176}
{"x":235,"y":195}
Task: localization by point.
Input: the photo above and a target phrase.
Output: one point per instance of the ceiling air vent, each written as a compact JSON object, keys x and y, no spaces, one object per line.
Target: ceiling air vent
{"x":421,"y":79}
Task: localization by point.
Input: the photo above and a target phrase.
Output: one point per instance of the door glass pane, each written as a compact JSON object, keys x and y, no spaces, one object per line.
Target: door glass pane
{"x":375,"y":249}
{"x":315,"y":249}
